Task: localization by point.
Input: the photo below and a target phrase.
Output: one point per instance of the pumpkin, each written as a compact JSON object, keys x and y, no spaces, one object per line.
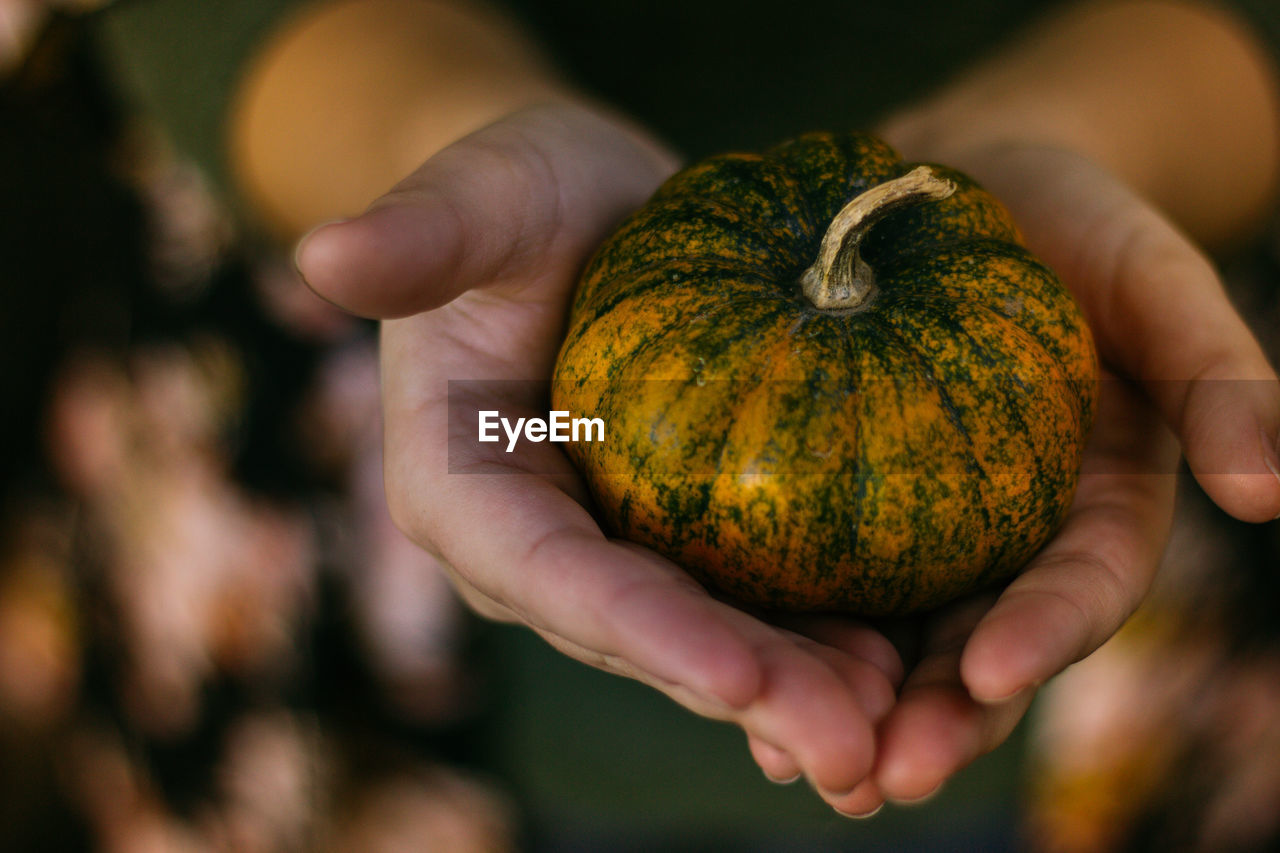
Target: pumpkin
{"x":829,"y":379}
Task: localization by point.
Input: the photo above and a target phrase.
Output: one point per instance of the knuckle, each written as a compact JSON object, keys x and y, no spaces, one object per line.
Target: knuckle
{"x":1096,"y":588}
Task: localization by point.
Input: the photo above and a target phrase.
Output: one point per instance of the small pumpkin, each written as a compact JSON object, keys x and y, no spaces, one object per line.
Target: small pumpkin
{"x":830,"y":380}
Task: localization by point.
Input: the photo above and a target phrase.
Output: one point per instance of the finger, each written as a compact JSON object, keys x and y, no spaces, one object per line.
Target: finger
{"x":815,"y":702}
{"x":531,"y":193}
{"x":473,"y":598}
{"x":936,"y":731}
{"x":1160,"y":315}
{"x":937,"y":728}
{"x":814,"y":708}
{"x":863,"y":801}
{"x":1082,"y":587}
{"x":852,"y":638}
{"x":778,"y":766}
{"x":850,"y":792}
{"x":627,"y":610}
{"x":619,"y":607}
{"x":808,"y":703}
{"x":865,"y":680}
{"x":489,"y":608}
{"x":1199,"y":364}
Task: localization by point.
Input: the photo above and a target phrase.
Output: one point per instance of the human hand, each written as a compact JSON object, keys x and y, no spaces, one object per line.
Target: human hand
{"x":477,"y":253}
{"x":1161,"y":319}
{"x":981,"y":658}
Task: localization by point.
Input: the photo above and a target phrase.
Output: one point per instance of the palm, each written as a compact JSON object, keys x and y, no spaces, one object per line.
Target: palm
{"x":1158,"y":313}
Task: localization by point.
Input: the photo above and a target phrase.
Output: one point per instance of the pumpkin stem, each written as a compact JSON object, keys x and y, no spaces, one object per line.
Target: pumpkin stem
{"x":839,"y":279}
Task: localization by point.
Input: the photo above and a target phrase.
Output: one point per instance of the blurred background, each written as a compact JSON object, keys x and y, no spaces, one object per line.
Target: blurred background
{"x":213,"y":639}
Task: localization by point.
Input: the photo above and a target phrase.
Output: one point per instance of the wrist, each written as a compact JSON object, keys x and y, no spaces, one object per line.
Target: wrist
{"x":1186,"y":112}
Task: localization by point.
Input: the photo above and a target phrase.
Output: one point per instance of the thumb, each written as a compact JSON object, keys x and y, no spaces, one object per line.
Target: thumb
{"x":525,"y":197}
{"x":1161,"y":316}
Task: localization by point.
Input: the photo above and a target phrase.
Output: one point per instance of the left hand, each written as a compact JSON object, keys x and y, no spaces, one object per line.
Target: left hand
{"x":1162,"y":320}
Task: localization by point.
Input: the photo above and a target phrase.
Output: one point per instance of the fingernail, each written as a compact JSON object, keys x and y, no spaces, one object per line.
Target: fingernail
{"x":863,"y":815}
{"x":1008,"y":697}
{"x":1270,"y":453}
{"x":915,"y":801}
{"x":787,"y":781}
{"x":297,"y":247}
{"x":1271,"y":456}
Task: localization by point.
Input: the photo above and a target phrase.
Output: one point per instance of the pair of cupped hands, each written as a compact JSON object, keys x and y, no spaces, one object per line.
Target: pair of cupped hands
{"x":470,"y":263}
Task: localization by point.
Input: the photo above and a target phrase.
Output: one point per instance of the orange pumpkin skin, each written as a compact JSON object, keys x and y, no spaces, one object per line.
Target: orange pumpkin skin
{"x":878,"y":460}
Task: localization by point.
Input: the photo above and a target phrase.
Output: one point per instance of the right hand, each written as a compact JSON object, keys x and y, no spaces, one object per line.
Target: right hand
{"x":477,"y":254}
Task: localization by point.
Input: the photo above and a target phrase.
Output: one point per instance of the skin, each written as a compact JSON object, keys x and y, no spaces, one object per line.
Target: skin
{"x":1119,"y":157}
